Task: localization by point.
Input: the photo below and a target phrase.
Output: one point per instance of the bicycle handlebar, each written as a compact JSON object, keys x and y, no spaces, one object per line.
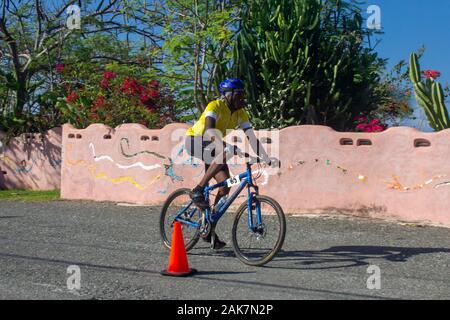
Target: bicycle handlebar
{"x":252,"y":159}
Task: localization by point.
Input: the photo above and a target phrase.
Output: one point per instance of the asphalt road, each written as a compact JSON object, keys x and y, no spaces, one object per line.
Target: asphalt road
{"x":119,"y":254}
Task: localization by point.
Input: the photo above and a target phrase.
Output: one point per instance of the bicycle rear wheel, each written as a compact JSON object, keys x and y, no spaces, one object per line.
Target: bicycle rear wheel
{"x":179,"y":202}
{"x":259,"y":246}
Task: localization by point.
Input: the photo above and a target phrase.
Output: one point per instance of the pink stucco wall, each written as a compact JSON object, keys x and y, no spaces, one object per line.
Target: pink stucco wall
{"x":403,"y":174}
{"x":31,"y":161}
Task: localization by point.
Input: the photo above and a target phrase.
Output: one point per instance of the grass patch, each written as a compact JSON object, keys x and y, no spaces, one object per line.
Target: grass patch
{"x":29,"y":195}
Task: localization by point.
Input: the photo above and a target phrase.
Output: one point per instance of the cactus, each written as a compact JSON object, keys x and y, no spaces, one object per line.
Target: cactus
{"x":303,"y":67}
{"x":430,"y":96}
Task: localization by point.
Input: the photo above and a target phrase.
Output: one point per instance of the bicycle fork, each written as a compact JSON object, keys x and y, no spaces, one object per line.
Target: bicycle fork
{"x":253,"y":205}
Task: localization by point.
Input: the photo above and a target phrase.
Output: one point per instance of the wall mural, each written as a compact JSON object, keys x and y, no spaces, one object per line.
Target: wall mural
{"x":394,"y":184}
{"x":165,"y":162}
{"x":26,"y":166}
{"x":167,"y":165}
{"x":100,"y":175}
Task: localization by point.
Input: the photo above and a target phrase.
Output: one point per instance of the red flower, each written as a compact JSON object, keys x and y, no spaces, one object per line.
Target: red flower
{"x":99,"y":102}
{"x":126,"y":84}
{"x":109,"y":75}
{"x":154,"y":83}
{"x":153,"y":93}
{"x":132,"y":87}
{"x":104,"y":84}
{"x":431,"y":74}
{"x":59,"y":67}
{"x":72,"y":97}
{"x":144,"y":98}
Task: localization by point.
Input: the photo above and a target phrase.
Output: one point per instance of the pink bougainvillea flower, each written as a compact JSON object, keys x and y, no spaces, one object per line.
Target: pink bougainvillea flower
{"x":378,"y":128}
{"x":361,"y":126}
{"x":59,"y":67}
{"x":374,"y":122}
{"x":431,"y":74}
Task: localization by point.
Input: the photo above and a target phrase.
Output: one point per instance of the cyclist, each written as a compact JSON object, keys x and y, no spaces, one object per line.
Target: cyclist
{"x":204,"y":141}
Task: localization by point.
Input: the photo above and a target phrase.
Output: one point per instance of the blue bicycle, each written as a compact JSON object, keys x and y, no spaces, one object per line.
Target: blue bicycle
{"x":259,"y":226}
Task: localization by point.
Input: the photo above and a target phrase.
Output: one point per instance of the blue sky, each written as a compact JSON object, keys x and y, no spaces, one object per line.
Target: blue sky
{"x":409,"y":24}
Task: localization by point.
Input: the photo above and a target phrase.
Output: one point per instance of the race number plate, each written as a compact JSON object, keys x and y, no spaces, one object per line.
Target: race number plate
{"x":233,"y":181}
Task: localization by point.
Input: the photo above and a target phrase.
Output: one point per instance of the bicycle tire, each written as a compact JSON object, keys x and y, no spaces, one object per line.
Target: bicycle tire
{"x":240,"y":254}
{"x":162,"y":222}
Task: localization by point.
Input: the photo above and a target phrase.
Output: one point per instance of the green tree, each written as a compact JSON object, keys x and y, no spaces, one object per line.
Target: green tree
{"x":34,"y":38}
{"x":197,"y":49}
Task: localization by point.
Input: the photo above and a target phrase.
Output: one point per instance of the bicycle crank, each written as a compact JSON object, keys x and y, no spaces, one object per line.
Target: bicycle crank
{"x":205,"y":227}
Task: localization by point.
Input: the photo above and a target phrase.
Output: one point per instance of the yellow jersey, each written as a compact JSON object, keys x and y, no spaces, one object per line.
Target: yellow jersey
{"x":225,"y":119}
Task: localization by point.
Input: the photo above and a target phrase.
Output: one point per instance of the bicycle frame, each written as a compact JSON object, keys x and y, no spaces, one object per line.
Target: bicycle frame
{"x":246,"y":181}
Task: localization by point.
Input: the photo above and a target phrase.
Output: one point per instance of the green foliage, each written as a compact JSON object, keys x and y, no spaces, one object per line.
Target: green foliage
{"x":306,"y":63}
{"x":38,"y":40}
{"x":113,"y":95}
{"x":430,"y":96}
{"x":198,"y":37}
{"x":394,"y":92}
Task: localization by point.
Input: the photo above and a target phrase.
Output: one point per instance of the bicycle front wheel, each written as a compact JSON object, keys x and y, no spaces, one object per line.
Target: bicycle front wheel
{"x":179,"y":205}
{"x":259,"y":246}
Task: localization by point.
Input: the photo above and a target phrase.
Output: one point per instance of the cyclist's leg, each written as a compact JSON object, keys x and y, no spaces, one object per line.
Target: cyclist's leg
{"x":215,"y":162}
{"x":222,"y":175}
{"x":204,"y":150}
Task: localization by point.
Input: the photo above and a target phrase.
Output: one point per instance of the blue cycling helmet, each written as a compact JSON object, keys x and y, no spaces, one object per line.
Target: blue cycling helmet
{"x":232,"y":84}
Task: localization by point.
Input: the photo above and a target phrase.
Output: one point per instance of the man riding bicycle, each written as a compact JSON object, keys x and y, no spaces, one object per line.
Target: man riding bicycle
{"x":204,"y":141}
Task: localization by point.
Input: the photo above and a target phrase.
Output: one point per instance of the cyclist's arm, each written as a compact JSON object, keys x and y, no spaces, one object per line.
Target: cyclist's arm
{"x":212,"y":134}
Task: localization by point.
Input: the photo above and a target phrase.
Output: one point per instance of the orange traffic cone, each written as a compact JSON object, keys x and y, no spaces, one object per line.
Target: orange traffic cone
{"x":178,"y":262}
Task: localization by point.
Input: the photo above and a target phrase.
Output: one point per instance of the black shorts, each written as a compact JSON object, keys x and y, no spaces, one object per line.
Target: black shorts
{"x":202,"y":149}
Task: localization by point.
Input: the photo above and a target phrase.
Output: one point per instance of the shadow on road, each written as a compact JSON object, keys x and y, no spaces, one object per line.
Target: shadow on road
{"x":349,"y":256}
{"x":10,"y":217}
{"x":107,"y":267}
